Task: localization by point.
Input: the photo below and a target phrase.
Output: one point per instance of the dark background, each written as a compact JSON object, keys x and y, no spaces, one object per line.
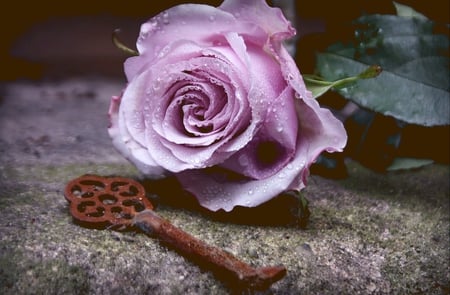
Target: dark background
{"x":64,"y":38}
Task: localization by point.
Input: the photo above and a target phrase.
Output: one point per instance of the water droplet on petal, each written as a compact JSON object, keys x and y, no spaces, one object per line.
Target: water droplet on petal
{"x":165,"y":18}
{"x":157,"y":84}
{"x":265,"y":188}
{"x":250,"y":192}
{"x":243,"y":160}
{"x":217,"y":43}
{"x":146,"y":28}
{"x":164,"y":51}
{"x":281,"y":175}
{"x":212,"y":18}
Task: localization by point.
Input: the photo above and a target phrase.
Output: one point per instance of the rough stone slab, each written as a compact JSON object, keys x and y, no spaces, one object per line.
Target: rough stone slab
{"x":368,"y":234}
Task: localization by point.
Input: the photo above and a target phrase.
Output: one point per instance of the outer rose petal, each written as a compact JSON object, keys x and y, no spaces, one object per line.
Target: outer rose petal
{"x":181,"y":22}
{"x":278,"y":28}
{"x":319,"y":131}
{"x":280,"y":128}
{"x":271,"y":19}
{"x":131,"y":150}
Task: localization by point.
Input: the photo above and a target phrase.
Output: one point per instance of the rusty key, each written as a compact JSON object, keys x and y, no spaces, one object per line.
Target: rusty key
{"x":120,"y":203}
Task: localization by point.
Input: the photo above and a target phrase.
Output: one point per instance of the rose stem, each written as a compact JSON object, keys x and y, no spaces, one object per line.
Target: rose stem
{"x":223,"y":263}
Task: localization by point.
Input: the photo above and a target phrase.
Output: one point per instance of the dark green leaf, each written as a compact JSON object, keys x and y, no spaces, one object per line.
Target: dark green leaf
{"x":414,"y":85}
{"x":390,"y":93}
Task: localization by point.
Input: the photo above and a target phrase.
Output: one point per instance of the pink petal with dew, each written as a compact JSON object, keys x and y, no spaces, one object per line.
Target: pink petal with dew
{"x":163,"y":138}
{"x":126,"y":145}
{"x":274,"y":144}
{"x":271,"y":19}
{"x":319,"y":131}
{"x":278,"y":29}
{"x":193,"y":22}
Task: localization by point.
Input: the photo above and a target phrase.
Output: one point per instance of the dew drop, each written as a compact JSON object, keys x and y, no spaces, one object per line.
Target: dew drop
{"x":250,"y":192}
{"x":243,"y":160}
{"x":165,"y":18}
{"x":279,"y":128}
{"x":164,"y":52}
{"x":212,"y":18}
{"x":157,"y":84}
{"x":265,"y":188}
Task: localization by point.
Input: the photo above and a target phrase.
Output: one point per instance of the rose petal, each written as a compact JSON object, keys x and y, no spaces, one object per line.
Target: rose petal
{"x":203,"y":155}
{"x":278,"y":28}
{"x":163,"y":139}
{"x":319,"y":131}
{"x":126,"y":144}
{"x":273,"y":146}
{"x":186,"y":21}
{"x":271,"y":19}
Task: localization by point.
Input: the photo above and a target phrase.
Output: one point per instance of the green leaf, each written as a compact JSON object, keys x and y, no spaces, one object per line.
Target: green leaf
{"x":414,"y":85}
{"x":390,"y":93}
{"x":408,"y":163}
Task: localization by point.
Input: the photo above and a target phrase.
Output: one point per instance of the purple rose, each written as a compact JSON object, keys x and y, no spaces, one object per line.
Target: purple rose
{"x":215,"y":99}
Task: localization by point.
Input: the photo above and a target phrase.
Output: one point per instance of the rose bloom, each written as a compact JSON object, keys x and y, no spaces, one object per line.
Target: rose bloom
{"x":214,"y":99}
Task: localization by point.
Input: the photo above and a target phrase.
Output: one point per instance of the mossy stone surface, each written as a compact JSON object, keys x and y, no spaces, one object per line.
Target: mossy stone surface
{"x":368,"y":234}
